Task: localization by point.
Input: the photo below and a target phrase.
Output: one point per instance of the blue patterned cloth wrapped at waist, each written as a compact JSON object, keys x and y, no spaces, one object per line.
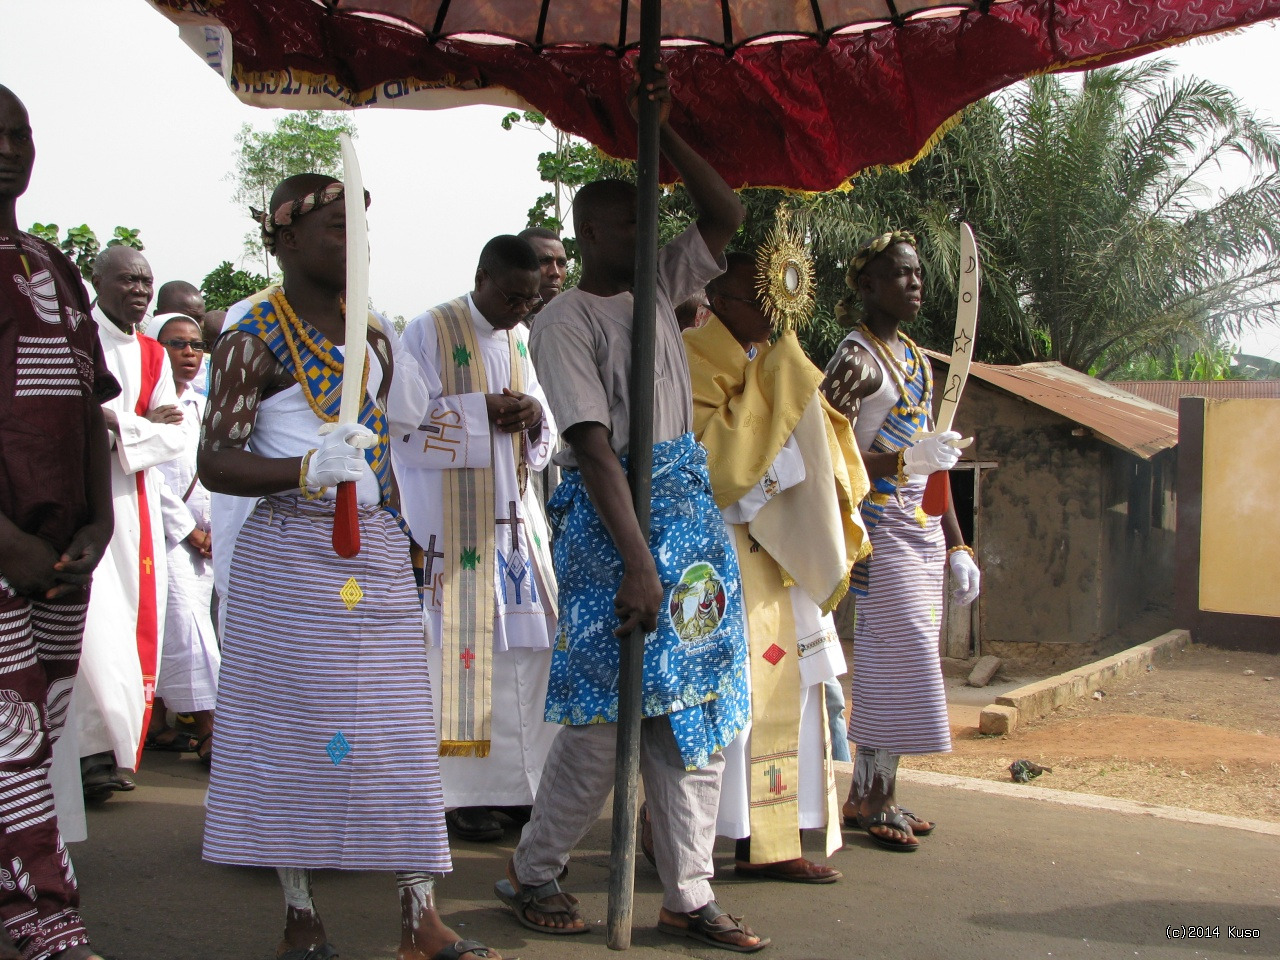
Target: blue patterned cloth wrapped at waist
{"x":695,"y":661}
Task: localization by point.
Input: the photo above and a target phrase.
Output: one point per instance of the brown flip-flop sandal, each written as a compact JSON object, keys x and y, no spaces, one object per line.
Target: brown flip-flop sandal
{"x":926,"y":826}
{"x":455,"y":950}
{"x":894,"y":821}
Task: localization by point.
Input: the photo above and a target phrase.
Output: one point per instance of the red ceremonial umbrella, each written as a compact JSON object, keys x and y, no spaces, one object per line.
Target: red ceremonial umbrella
{"x":787,"y":93}
{"x":801,"y":94}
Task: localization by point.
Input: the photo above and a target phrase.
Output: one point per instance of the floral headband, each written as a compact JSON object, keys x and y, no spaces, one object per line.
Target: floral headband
{"x":858,"y":263}
{"x":286,"y":213}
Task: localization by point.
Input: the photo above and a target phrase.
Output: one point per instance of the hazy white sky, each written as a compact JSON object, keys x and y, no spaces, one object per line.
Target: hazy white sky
{"x":133,"y":129}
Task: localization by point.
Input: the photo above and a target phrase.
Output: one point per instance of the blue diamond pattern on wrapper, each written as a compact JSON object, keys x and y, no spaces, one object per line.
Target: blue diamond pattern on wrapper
{"x":338,"y":748}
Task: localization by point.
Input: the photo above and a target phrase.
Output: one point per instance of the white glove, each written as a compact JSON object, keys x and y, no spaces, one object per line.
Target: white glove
{"x":340,"y":456}
{"x":967,"y":577}
{"x":931,"y":454}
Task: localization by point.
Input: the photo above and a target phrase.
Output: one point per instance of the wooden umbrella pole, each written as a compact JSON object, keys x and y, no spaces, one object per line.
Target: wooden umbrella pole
{"x":622,"y":854}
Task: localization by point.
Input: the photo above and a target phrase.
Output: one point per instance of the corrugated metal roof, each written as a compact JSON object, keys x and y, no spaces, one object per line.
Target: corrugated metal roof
{"x":1167,"y":393}
{"x":1117,"y":416}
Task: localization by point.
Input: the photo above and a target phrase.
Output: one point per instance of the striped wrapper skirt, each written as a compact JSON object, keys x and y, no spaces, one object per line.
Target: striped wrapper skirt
{"x":899,"y":703}
{"x":326,"y":752}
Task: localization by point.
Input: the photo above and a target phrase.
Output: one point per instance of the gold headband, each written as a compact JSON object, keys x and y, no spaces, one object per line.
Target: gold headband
{"x":858,"y":263}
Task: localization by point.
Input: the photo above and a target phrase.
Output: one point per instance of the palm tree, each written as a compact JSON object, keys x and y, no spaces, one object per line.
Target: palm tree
{"x":1103,"y":238}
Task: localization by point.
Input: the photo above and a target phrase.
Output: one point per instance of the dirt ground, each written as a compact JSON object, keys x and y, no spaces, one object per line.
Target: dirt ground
{"x":1200,"y":731}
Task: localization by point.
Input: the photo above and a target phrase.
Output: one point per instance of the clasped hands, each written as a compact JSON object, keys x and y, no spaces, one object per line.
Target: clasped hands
{"x":512,"y":412}
{"x":34,"y":568}
{"x":200,"y":541}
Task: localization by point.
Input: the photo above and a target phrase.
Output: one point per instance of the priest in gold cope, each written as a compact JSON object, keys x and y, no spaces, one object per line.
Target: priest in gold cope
{"x":787,"y":477}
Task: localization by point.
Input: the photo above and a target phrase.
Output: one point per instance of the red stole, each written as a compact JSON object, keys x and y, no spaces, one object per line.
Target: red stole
{"x":148,"y":628}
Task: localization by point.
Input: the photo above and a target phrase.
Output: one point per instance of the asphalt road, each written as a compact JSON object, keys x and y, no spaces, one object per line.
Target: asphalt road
{"x":1002,"y":877}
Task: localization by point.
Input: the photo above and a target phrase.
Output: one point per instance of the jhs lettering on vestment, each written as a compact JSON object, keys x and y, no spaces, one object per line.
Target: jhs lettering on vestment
{"x":432,"y":579}
{"x":444,"y":431}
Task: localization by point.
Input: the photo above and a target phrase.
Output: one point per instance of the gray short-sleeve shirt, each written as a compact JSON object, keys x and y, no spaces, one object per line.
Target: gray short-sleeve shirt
{"x":581,"y":347}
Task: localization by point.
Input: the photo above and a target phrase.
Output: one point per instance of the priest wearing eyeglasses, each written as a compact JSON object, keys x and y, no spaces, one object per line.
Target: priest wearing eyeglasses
{"x":489,"y":590}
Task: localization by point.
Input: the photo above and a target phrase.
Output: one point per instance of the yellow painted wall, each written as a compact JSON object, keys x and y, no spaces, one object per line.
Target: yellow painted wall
{"x":1240,"y":524}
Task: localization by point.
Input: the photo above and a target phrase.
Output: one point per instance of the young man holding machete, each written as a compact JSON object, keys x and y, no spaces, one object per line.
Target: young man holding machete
{"x":881,"y":381}
{"x":327,"y":753}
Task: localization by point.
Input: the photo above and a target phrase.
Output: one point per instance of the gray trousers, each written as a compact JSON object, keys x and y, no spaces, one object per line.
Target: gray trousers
{"x":576,"y":781}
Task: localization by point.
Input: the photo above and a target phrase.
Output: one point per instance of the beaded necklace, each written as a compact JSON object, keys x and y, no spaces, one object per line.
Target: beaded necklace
{"x":292,"y":327}
{"x":900,"y":371}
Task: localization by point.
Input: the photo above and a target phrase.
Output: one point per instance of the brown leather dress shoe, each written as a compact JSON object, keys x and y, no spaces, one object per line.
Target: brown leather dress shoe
{"x":799,"y":870}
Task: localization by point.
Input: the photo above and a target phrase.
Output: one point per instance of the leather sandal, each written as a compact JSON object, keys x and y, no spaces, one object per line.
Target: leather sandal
{"x":455,"y":950}
{"x":894,"y":821}
{"x":533,"y":897}
{"x":919,"y":826}
{"x":710,"y":925}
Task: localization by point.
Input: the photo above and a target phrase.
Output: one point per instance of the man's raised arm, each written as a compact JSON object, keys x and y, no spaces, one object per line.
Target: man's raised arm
{"x":720,"y":212}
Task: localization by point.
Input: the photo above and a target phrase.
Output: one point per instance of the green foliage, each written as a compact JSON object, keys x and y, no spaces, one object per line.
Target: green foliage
{"x":1175,"y":363}
{"x":81,"y":243}
{"x":567,"y":166}
{"x":225,"y":285}
{"x":299,"y":142}
{"x":1102,"y":243}
{"x":125,"y":237}
{"x":529,"y":117}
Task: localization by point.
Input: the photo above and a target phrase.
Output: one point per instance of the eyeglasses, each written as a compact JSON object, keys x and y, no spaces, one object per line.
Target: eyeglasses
{"x":728,"y":296}
{"x":197,"y":345}
{"x":514,"y":300}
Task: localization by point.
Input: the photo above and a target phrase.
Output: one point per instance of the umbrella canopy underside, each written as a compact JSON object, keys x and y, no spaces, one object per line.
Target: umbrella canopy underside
{"x":800,"y":94}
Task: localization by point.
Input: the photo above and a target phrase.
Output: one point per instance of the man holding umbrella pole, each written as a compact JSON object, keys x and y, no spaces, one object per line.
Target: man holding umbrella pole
{"x":681,"y":587}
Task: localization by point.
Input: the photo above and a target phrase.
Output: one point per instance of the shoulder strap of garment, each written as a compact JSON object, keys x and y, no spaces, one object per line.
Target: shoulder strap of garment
{"x":152,"y":366}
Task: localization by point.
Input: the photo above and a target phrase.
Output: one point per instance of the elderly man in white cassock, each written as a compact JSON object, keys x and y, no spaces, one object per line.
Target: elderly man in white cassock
{"x":119,"y":662}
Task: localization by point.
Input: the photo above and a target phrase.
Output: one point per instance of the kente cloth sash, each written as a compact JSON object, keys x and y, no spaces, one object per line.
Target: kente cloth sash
{"x":695,"y":661}
{"x":908,"y":416}
{"x":774,"y":805}
{"x":147,"y":627}
{"x":778,"y":674}
{"x":467,"y":611}
{"x":262,"y":322}
{"x":743,"y":412}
